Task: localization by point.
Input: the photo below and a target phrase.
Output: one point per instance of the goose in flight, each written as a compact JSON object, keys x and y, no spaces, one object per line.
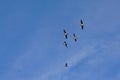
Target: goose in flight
{"x":65,"y":43}
{"x":74,"y":37}
{"x":65,"y":34}
{"x":81,"y":24}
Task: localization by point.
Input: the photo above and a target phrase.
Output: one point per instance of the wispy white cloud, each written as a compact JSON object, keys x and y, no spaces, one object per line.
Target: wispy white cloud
{"x":58,"y":70}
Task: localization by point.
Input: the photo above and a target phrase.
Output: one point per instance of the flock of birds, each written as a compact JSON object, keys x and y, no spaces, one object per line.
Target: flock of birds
{"x":74,"y":37}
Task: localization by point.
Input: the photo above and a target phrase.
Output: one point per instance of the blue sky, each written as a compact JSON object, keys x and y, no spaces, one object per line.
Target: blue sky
{"x":31,"y":40}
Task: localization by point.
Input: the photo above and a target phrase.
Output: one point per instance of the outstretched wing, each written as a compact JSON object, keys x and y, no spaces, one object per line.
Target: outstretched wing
{"x":66,"y":65}
{"x":66,"y":36}
{"x":81,"y":21}
{"x":64,"y":31}
{"x":74,"y":35}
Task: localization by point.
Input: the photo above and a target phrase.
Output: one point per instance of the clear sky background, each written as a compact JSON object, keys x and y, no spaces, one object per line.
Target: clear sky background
{"x":31,"y":40}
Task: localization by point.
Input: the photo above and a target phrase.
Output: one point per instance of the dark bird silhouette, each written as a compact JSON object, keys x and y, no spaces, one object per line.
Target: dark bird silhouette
{"x":81,"y":24}
{"x":66,"y":65}
{"x":74,"y":37}
{"x":65,"y":34}
{"x":65,"y":43}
